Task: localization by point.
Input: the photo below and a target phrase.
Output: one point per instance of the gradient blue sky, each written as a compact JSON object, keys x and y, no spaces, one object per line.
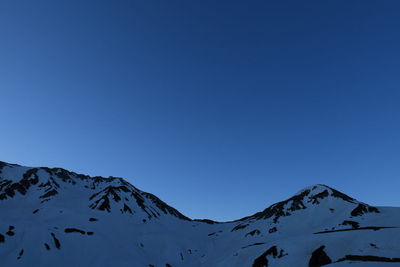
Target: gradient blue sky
{"x":220,"y":108}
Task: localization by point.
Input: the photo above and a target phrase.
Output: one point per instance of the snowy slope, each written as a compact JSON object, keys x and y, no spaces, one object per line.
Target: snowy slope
{"x":53,"y":217}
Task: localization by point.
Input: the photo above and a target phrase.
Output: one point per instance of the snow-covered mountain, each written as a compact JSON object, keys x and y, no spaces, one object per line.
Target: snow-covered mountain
{"x":54,"y":217}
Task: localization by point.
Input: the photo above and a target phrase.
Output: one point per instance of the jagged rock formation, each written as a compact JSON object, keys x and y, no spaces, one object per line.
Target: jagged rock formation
{"x":54,"y":217}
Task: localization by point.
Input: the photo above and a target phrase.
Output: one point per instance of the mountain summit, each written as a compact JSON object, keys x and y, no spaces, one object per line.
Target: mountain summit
{"x":51,"y":216}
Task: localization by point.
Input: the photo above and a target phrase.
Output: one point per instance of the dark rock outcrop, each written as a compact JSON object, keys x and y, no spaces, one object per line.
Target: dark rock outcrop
{"x":368,"y":258}
{"x":353,"y":224}
{"x":321,"y":195}
{"x":56,"y":241}
{"x":363,"y":209}
{"x":262,"y":260}
{"x":319,"y":258}
{"x":74,"y":230}
{"x":254,"y":232}
{"x":239,"y":227}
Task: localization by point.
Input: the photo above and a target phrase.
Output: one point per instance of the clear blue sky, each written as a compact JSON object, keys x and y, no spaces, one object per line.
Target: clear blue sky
{"x":220,"y":108}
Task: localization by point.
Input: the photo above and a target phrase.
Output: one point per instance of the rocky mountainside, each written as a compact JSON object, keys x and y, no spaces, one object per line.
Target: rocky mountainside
{"x":54,"y":217}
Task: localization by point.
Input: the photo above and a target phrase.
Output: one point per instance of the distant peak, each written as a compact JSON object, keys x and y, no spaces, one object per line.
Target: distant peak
{"x":321,"y":189}
{"x":310,"y":196}
{"x":314,"y":189}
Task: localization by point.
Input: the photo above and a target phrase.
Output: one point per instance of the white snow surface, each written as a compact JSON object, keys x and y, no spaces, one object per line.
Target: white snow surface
{"x":53,"y":217}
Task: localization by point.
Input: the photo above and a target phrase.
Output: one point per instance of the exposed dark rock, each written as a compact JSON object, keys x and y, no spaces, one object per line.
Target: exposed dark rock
{"x":47,"y":246}
{"x":50,"y":184}
{"x":352,"y":223}
{"x":3,"y":186}
{"x":49,"y":194}
{"x":278,"y":210}
{"x":254,"y":244}
{"x":74,"y":230}
{"x":375,"y":228}
{"x":112,"y":193}
{"x":93,"y":219}
{"x":340,"y":195}
{"x":206,"y":221}
{"x":29,"y":178}
{"x":54,"y":183}
{"x":319,"y":258}
{"x":36,"y":210}
{"x":254,"y":232}
{"x":239,"y":226}
{"x":90,"y":233}
{"x":80,"y":176}
{"x":20,"y":254}
{"x":2,"y":238}
{"x":2,"y":165}
{"x":140,"y":201}
{"x":56,"y":241}
{"x":362,"y":209}
{"x":46,"y":184}
{"x":127,"y":209}
{"x":64,"y":175}
{"x":321,"y":195}
{"x":10,"y":233}
{"x":103,"y":203}
{"x":164,"y":207}
{"x":368,"y":258}
{"x":272,"y":230}
{"x":262,"y":260}
{"x":168,"y":265}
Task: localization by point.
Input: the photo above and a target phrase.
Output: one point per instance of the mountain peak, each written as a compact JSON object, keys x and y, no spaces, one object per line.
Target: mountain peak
{"x":311,"y":197}
{"x":321,"y":190}
{"x":314,"y":188}
{"x":43,"y":185}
